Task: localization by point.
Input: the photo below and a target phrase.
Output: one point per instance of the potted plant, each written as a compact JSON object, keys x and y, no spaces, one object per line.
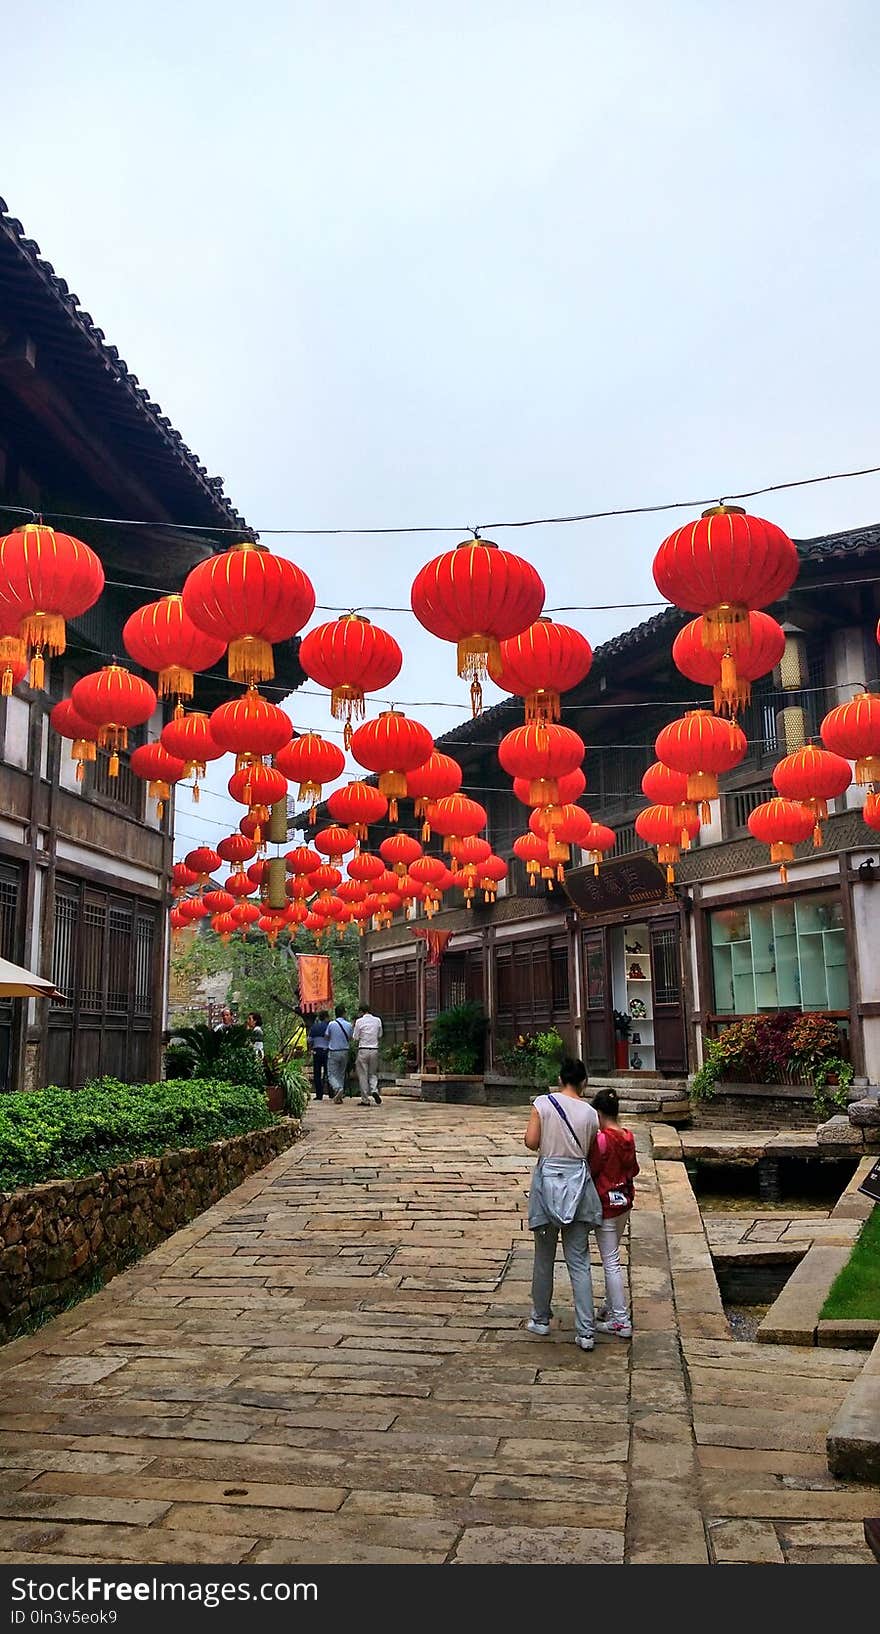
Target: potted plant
{"x":456,"y":1045}
{"x":622,"y":1030}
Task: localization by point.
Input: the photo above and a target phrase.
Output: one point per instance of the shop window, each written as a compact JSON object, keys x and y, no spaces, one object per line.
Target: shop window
{"x":785,"y":955}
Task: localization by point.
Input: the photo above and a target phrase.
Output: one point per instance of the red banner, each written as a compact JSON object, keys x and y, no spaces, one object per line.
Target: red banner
{"x":436,"y":941}
{"x":315,"y":981}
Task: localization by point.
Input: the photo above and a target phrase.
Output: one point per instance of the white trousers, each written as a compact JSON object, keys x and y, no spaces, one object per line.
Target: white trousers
{"x":608,"y":1236}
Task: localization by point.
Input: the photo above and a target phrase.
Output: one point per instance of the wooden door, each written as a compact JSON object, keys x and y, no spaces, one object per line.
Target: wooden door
{"x":598,"y":1024}
{"x":670,"y":1041}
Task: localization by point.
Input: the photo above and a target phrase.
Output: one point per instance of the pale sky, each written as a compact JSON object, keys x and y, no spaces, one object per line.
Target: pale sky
{"x":395,"y":263}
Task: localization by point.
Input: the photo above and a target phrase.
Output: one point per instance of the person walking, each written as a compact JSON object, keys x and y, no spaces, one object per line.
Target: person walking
{"x":614,"y":1166}
{"x":255,"y":1032}
{"x":226,"y":1021}
{"x":562,"y":1129}
{"x":367,"y":1034}
{"x":318,"y":1045}
{"x":338,"y":1037}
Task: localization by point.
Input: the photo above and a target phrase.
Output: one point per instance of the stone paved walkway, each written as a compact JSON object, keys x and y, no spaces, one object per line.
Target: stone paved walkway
{"x":330,"y":1365}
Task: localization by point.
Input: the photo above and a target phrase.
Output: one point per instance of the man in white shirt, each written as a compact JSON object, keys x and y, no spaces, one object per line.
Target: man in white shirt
{"x":367,"y":1033}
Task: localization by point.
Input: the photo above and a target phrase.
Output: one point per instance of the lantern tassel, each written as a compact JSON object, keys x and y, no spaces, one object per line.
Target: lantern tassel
{"x":392,"y":809}
{"x":80,"y":771}
{"x":196,"y":794}
{"x":476,"y":702}
{"x":6,"y":688}
{"x":113,"y":768}
{"x":596,"y":869}
{"x":38,"y":671}
{"x":817,"y":834}
{"x":44,"y":632}
{"x":250,"y":660}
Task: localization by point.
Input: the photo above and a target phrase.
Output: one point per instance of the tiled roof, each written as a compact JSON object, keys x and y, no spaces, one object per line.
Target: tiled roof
{"x":98,"y":368}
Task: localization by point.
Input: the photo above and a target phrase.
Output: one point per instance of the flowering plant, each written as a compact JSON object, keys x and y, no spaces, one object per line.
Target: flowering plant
{"x":770,"y":1049}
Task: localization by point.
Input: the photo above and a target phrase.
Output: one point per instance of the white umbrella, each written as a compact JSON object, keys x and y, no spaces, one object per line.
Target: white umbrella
{"x":18,"y":983}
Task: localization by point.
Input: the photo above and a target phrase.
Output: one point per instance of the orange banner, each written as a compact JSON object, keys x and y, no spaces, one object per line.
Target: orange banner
{"x":315,"y":981}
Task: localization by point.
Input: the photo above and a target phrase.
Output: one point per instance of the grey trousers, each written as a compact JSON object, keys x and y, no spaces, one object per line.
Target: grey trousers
{"x":337,"y":1061}
{"x":367,"y":1068}
{"x":576,"y":1248}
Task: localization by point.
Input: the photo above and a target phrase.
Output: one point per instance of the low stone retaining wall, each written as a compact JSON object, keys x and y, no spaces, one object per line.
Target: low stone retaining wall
{"x":57,"y":1238}
{"x":853,"y":1441}
{"x":793,"y":1319}
{"x":756,"y":1106}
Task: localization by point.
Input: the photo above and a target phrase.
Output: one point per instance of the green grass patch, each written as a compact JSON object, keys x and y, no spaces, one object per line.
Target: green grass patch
{"x":855,"y":1292}
{"x":55,"y":1134}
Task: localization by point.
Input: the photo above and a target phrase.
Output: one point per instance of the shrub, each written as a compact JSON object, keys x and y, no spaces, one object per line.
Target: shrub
{"x":49,"y":1134}
{"x":198,"y":1051}
{"x":458,"y":1037}
{"x":534,"y":1057}
{"x":769,"y":1049}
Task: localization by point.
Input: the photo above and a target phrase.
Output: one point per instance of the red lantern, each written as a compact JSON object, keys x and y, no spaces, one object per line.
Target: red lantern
{"x":781,"y":824}
{"x":335,"y":842}
{"x":238,"y":884}
{"x":114,"y":700}
{"x":723,"y":565}
{"x":254,"y":824}
{"x":191,"y":908}
{"x":468,"y":851}
{"x":430,"y":873}
{"x":665,"y":787}
{"x":477,"y":596}
{"x":366,"y":867}
{"x":258,"y":874}
{"x":302,"y":860}
{"x":202,"y":862}
{"x":162,"y":637}
{"x":562,"y":827}
{"x":236,"y":848}
{"x":532,"y":850}
{"x":182,"y":878}
{"x":351,"y":891}
{"x":250,"y":727}
{"x":249,"y":599}
{"x":541,"y":754}
{"x":244,"y":913}
{"x":438,"y":776}
{"x":223,"y":925}
{"x":159,"y":770}
{"x":324,"y":877}
{"x":68,"y":724}
{"x":570,"y":786}
{"x":45,"y":578}
{"x":392,"y":745}
{"x":490,"y":874}
{"x":311,"y":761}
{"x":456,"y":816}
{"x":299,"y":887}
{"x":257,"y":785}
{"x":596,"y":842}
{"x":853,"y":730}
{"x":756,"y":647}
{"x":540,"y":663}
{"x":350,"y":656}
{"x":702,"y":746}
{"x":218,"y":901}
{"x":813,"y":777}
{"x":177,"y":921}
{"x":661,"y":826}
{"x":871,"y":809}
{"x":356,"y":806}
{"x":399,"y":850}
{"x":189,"y":738}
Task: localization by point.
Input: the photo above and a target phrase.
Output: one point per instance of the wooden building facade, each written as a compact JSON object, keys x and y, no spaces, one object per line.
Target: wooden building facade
{"x":729,"y":939}
{"x":84,"y":866}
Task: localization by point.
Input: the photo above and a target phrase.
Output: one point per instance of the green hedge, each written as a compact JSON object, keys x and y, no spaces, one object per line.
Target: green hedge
{"x":53,"y":1133}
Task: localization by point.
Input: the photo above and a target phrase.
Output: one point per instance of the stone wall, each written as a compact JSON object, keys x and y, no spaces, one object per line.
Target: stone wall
{"x":58,"y":1238}
{"x":755,"y":1106}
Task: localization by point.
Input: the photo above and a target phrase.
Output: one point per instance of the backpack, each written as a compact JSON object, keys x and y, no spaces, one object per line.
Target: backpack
{"x":617,"y":1166}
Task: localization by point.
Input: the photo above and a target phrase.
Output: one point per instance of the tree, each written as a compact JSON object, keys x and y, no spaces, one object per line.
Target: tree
{"x":262,"y":978}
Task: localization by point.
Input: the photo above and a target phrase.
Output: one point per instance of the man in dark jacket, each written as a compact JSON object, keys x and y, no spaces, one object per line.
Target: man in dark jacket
{"x":318,"y":1047}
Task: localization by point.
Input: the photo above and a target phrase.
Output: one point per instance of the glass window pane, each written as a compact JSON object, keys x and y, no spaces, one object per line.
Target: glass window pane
{"x":781,"y":955}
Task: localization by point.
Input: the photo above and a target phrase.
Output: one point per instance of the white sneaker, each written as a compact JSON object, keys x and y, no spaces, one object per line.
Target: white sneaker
{"x":583,"y":1343}
{"x":622,"y":1330}
{"x":541,"y":1328}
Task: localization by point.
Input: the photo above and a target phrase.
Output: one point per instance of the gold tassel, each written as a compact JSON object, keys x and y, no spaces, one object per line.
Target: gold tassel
{"x":6,"y":688}
{"x":596,"y":869}
{"x":250,"y":660}
{"x":38,"y":672}
{"x":80,"y":771}
{"x":817,"y":835}
{"x":113,"y":768}
{"x":196,"y":794}
{"x":392,"y":810}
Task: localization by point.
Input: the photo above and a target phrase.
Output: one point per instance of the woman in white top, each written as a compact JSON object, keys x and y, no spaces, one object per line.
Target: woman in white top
{"x":562,"y":1128}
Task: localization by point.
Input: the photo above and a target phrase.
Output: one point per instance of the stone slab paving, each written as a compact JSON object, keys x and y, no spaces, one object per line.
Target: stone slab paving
{"x":330,"y":1365}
